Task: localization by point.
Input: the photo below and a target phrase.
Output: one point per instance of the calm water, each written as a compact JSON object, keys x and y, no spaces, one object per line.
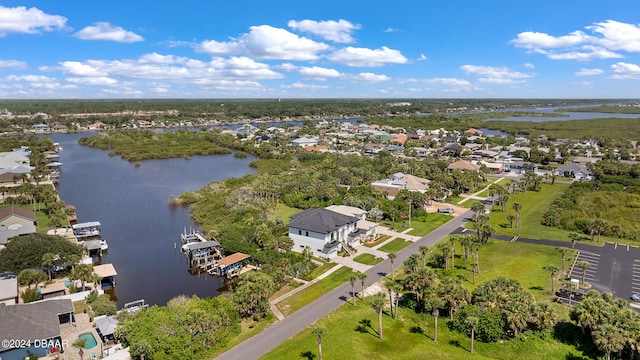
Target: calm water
{"x":570,"y":116}
{"x":137,"y":220}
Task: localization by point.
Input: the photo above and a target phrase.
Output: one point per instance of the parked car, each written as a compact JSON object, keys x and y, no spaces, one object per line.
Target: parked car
{"x":635,"y":297}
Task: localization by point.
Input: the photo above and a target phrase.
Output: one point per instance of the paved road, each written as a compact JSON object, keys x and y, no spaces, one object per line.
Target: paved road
{"x":273,"y":336}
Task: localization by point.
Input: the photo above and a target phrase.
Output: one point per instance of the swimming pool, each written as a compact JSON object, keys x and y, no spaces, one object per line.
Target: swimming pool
{"x":91,"y":340}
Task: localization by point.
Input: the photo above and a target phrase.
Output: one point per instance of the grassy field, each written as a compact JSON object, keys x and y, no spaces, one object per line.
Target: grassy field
{"x":306,"y":296}
{"x":319,"y":271}
{"x":432,"y":222}
{"x":367,"y":259}
{"x":534,"y":204}
{"x":283,"y":212}
{"x":410,"y":336}
{"x":395,"y":245}
{"x":520,"y":261}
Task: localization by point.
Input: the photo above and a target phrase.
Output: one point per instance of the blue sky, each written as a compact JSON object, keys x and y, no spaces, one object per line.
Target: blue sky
{"x":321,"y":49}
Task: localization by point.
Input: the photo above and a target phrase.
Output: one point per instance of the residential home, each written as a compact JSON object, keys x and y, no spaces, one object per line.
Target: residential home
{"x":59,"y":128}
{"x":463,"y":165}
{"x":304,"y":142}
{"x":8,"y":289}
{"x":41,"y":128}
{"x":473,"y":131}
{"x":324,"y":231}
{"x":16,"y":221}
{"x":37,"y":323}
{"x":399,"y":181}
{"x":99,"y":125}
{"x":367,"y":229}
{"x":577,"y":171}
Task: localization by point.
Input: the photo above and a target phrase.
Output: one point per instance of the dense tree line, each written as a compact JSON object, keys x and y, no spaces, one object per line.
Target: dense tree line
{"x":27,"y":252}
{"x":186,"y":328}
{"x":596,"y":209}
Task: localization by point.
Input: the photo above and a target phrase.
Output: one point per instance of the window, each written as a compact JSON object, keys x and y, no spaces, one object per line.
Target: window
{"x":306,"y":233}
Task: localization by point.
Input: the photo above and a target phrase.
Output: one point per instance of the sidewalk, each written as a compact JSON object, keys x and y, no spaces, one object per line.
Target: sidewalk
{"x":475,"y":196}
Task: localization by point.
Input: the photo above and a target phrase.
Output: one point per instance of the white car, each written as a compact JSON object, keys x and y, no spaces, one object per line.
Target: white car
{"x":635,"y":297}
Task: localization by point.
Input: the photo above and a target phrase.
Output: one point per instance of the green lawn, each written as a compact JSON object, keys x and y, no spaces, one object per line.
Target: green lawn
{"x":514,"y":260}
{"x":283,"y":212}
{"x":367,"y":259}
{"x":534,"y":204}
{"x":430,"y":223}
{"x":409,"y":337}
{"x":306,"y":296}
{"x":319,"y":270}
{"x":395,"y":245}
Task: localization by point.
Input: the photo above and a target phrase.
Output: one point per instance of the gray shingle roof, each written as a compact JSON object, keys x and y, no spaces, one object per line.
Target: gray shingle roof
{"x":321,"y":221}
{"x":33,"y":321}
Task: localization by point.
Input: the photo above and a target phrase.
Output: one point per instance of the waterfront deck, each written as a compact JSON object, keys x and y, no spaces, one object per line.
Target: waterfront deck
{"x":86,"y":229}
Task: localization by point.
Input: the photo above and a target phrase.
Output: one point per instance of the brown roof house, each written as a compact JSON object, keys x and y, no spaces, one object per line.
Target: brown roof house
{"x":399,"y":181}
{"x":463,"y":165}
{"x":16,"y":221}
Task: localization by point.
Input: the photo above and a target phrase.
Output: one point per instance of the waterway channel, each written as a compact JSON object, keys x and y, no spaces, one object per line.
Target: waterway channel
{"x":140,"y":225}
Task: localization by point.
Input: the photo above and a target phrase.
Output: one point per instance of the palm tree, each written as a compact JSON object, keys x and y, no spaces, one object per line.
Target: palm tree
{"x":319,"y":332}
{"x":504,"y":199}
{"x":510,"y":218}
{"x":352,"y":280}
{"x":423,"y":254}
{"x":397,"y":289}
{"x":392,"y":256}
{"x":362,"y":276}
{"x":584,"y":265}
{"x":83,"y":273}
{"x":563,"y":251}
{"x":389,"y":283}
{"x":553,"y":270}
{"x":79,"y":344}
{"x":608,"y":338}
{"x":434,"y":304}
{"x":377,"y":303}
{"x":517,"y":207}
{"x":446,"y":249}
{"x":477,"y":208}
{"x":452,"y":241}
{"x":47,"y":260}
{"x":472,"y":322}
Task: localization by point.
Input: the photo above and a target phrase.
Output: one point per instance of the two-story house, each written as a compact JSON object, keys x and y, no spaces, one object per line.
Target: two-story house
{"x":324,"y":231}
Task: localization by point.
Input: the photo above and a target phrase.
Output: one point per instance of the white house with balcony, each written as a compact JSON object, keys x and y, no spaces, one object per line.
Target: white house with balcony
{"x":324,"y":231}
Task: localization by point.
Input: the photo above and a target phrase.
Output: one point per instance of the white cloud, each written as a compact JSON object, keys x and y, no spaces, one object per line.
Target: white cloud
{"x":106,"y":31}
{"x":390,"y":30}
{"x":624,"y":71}
{"x":266,"y":42}
{"x":608,"y":38}
{"x":365,"y":57}
{"x":452,"y":82}
{"x":494,"y":75}
{"x":537,"y":40}
{"x":28,"y":21}
{"x":160,"y":67}
{"x":617,"y":35}
{"x":286,"y":67}
{"x":367,"y":77}
{"x":587,"y":52}
{"x":299,"y":85}
{"x":336,"y":31}
{"x":38,"y":82}
{"x":589,"y":72}
{"x":422,"y":57}
{"x":529,"y":65}
{"x":93,"y":81}
{"x":318,"y":73}
{"x":12,"y":64}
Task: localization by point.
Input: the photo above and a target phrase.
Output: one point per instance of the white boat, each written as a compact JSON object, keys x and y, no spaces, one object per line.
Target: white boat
{"x":103,"y":245}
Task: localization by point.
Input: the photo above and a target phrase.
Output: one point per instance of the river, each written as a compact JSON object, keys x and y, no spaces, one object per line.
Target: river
{"x":137,"y":220}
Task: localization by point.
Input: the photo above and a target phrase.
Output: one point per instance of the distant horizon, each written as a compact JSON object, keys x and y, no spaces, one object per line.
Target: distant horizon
{"x":319,"y":50}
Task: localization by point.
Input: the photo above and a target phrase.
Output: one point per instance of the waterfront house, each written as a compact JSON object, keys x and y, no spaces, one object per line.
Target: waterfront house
{"x":41,"y":128}
{"x":324,"y":231}
{"x":304,"y":142}
{"x":463,"y":165}
{"x":37,"y":323}
{"x":577,"y":171}
{"x":399,"y":181}
{"x":232,"y":264}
